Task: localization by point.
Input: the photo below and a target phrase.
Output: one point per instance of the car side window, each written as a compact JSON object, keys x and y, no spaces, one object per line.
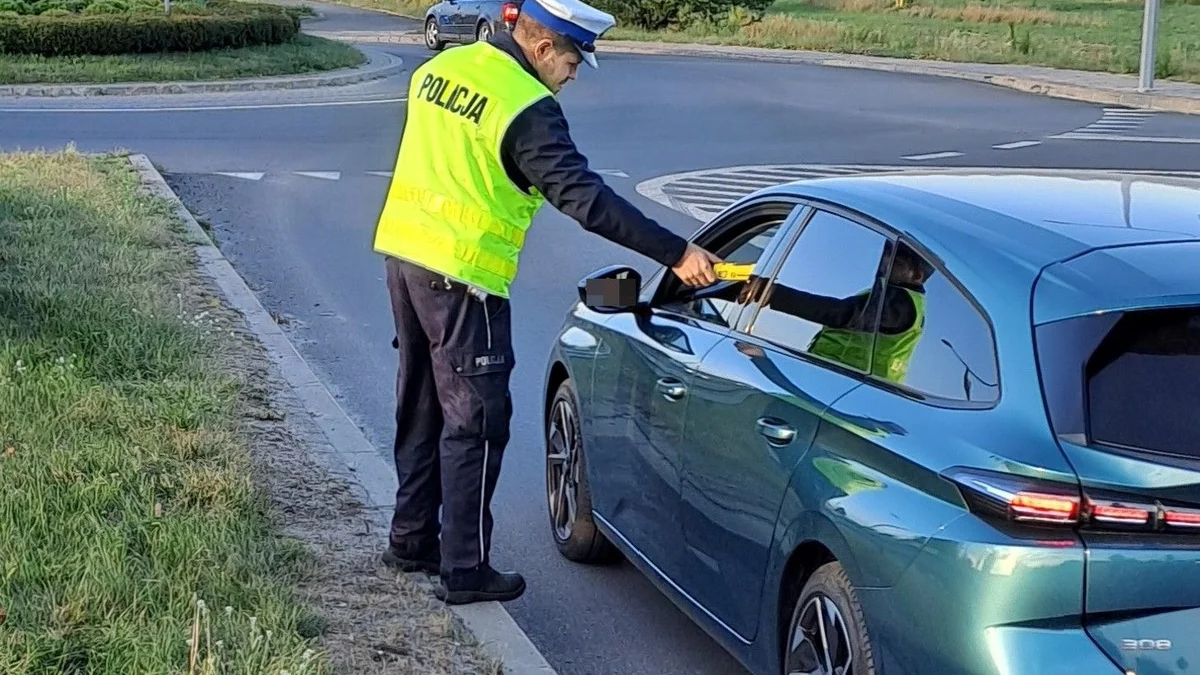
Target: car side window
{"x":719,"y":303}
{"x":824,"y":300}
{"x":937,"y":343}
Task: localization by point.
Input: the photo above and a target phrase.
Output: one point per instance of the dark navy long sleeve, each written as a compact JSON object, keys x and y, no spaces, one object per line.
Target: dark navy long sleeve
{"x":538,"y":151}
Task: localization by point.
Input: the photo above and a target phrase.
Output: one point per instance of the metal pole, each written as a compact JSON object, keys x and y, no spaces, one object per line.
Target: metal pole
{"x":1149,"y":36}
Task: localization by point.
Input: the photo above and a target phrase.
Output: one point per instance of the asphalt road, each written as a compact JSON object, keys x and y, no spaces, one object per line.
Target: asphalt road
{"x":303,"y":242}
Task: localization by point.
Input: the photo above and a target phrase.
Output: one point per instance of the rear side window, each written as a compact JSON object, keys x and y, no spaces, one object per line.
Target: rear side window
{"x":932,"y":339}
{"x":1143,"y":383}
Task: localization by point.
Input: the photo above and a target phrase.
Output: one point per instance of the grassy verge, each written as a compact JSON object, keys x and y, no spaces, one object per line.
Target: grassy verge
{"x":304,"y":54}
{"x":125,"y":491}
{"x":1097,"y":35}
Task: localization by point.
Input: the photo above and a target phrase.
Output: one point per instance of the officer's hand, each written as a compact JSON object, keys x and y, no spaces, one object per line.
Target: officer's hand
{"x":695,"y":267}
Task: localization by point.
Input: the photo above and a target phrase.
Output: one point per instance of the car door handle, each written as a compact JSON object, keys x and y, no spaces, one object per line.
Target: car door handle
{"x":671,"y":388}
{"x":776,"y":431}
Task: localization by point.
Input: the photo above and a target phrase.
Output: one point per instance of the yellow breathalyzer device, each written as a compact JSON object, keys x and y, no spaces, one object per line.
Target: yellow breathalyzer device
{"x":733,"y":271}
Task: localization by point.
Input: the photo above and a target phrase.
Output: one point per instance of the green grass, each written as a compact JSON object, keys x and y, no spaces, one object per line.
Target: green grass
{"x":1097,"y":35}
{"x":125,"y":487}
{"x":304,"y":54}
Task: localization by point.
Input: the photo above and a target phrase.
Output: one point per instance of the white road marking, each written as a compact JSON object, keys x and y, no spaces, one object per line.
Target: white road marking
{"x":324,"y":175}
{"x":200,"y":108}
{"x":248,"y":176}
{"x":613,"y":172}
{"x":1081,"y":136}
{"x":1016,"y":144}
{"x":385,"y":174}
{"x":933,"y":155}
{"x":705,"y":193}
{"x":1115,"y":120}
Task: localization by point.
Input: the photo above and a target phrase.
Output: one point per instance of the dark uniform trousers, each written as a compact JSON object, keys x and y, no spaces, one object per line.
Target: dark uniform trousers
{"x":453,"y":409}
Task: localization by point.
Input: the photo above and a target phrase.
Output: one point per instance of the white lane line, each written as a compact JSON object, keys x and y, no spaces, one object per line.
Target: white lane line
{"x":613,"y":172}
{"x":324,"y":175}
{"x":385,"y":174}
{"x":1016,"y":144}
{"x":933,"y":155}
{"x":254,"y":175}
{"x":200,"y":108}
{"x":1079,"y":136}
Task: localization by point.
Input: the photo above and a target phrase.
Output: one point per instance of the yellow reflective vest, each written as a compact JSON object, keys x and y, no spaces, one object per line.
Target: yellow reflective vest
{"x":451,"y":207}
{"x":892,"y":352}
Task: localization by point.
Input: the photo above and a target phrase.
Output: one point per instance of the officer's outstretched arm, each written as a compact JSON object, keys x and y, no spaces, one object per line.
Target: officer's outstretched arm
{"x":539,"y":146}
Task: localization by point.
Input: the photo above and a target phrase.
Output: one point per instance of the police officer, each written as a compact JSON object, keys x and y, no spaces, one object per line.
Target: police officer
{"x":485,"y":143}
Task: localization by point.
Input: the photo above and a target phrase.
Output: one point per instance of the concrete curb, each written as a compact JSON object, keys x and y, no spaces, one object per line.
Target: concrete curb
{"x":370,"y":37}
{"x":379,"y":65}
{"x":1044,"y":86}
{"x":355,"y":457}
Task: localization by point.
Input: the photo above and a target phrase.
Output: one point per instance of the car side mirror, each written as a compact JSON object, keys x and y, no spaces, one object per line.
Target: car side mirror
{"x":611,"y":290}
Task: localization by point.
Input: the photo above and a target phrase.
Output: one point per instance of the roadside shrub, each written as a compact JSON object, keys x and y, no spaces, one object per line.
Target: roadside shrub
{"x":661,"y":14}
{"x":101,"y":29}
{"x":104,"y":7}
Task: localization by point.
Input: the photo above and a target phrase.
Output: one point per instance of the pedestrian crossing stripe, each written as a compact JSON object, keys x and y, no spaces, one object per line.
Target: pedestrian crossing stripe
{"x":1115,"y":121}
{"x":705,"y":193}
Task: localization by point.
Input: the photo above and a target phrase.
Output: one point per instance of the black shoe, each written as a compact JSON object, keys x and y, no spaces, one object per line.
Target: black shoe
{"x":407,"y":562}
{"x":462,"y":587}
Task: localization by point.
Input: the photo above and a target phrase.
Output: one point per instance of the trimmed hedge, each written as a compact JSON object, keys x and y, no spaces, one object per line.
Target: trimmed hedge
{"x":660,"y":14}
{"x":218,"y":26}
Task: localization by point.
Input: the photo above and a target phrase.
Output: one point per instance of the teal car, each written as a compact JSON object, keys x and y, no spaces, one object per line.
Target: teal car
{"x":946,"y":425}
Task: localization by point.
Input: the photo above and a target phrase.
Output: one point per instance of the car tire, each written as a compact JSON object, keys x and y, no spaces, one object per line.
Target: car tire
{"x":828,"y":595}
{"x":431,"y":35}
{"x":483,"y":31}
{"x":575,"y":533}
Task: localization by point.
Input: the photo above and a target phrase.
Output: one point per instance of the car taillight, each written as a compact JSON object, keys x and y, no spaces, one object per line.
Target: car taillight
{"x":1018,"y":499}
{"x":1043,"y":508}
{"x":1185,"y":518}
{"x":510,"y":12}
{"x":1115,"y":513}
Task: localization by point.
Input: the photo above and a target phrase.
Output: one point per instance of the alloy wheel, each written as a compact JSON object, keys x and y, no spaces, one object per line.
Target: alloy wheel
{"x":562,"y":469}
{"x":819,"y":643}
{"x":485,"y":32}
{"x":431,"y":34}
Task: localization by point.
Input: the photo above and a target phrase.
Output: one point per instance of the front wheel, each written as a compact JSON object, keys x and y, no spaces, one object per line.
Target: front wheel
{"x":568,"y":496}
{"x":827,"y":634}
{"x":432,"y":39}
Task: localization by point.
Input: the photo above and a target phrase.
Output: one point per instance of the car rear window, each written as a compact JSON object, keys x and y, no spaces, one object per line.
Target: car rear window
{"x":1143,"y":383}
{"x":1126,"y":380}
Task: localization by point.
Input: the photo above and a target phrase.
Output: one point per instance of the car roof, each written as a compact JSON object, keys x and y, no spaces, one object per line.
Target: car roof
{"x":1001,"y":227}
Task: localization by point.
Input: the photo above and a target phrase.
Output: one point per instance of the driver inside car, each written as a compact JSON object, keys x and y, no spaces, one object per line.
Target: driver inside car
{"x":845,"y":336}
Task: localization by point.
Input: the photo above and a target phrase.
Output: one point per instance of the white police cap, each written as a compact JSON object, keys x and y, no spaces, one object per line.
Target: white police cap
{"x":576,"y":20}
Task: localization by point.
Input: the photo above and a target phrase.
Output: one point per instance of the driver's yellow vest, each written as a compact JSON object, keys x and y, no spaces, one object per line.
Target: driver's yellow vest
{"x":451,"y":207}
{"x":892,"y":352}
